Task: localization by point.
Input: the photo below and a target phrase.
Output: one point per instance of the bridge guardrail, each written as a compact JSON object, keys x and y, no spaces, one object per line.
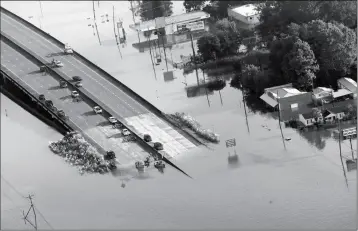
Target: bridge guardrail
{"x":103,"y":73}
{"x":92,"y":99}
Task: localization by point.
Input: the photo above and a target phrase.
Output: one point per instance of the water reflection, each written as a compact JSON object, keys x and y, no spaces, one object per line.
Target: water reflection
{"x":233,"y":160}
{"x":195,"y":91}
{"x":317,"y":138}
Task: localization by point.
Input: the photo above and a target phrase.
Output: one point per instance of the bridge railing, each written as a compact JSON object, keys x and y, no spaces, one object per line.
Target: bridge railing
{"x":106,"y":75}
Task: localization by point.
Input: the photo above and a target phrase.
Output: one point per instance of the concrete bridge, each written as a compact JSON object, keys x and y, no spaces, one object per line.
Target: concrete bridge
{"x":24,"y":48}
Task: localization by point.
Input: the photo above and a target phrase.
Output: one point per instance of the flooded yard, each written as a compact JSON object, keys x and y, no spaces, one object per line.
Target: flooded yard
{"x":275,"y":184}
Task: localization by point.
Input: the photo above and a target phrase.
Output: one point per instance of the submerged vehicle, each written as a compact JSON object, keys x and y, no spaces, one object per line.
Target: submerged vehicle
{"x":42,"y":97}
{"x":76,"y":78}
{"x":74,"y":94}
{"x":125,"y":132}
{"x":158,"y":146}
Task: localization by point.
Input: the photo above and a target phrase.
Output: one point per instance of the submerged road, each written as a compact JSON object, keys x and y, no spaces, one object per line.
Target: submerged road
{"x":135,"y":114}
{"x":80,"y":113}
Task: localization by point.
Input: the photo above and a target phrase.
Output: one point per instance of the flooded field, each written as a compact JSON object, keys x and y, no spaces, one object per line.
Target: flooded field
{"x":274,"y":185}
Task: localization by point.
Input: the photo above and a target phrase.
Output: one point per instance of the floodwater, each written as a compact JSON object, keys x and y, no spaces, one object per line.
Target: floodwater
{"x":271,"y":187}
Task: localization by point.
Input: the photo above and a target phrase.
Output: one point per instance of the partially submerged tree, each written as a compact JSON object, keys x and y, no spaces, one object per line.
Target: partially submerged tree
{"x":193,"y":5}
{"x":317,"y":113}
{"x":208,"y":46}
{"x":153,"y":9}
{"x":300,"y":65}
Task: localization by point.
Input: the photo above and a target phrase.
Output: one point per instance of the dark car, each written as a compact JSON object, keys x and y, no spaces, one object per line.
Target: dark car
{"x":48,"y":103}
{"x":63,"y":84}
{"x":147,"y":138}
{"x":110,"y":155}
{"x":158,"y":146}
{"x":61,"y":113}
{"x":77,"y":78}
{"x":41,"y":97}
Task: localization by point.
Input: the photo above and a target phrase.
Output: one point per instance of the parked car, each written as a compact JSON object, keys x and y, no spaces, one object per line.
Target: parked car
{"x":147,"y":138}
{"x":78,"y":84}
{"x":49,"y":103}
{"x":74,"y":94}
{"x":158,"y":146}
{"x":43,"y":68}
{"x":41,"y":97}
{"x":125,"y":132}
{"x":68,"y":49}
{"x":61,"y":113}
{"x":56,"y":63}
{"x":76,"y":78}
{"x":112,"y":120}
{"x":97,"y":110}
{"x":63,"y":84}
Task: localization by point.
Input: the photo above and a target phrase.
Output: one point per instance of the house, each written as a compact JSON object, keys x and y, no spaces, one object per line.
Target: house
{"x":349,"y":84}
{"x":322,"y":95}
{"x":308,"y":119}
{"x":342,"y":94}
{"x":195,"y":21}
{"x":245,"y":17}
{"x":333,"y":113}
{"x":289,"y":98}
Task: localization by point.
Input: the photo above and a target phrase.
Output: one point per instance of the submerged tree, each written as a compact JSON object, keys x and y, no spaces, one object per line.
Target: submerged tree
{"x":153,"y":9}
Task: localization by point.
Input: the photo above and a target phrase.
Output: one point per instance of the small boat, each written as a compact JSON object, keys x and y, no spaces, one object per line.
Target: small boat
{"x":288,"y":139}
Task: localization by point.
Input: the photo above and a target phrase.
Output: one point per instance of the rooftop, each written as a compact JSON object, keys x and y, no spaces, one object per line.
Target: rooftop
{"x":308,"y":115}
{"x":321,"y":89}
{"x":335,"y":110}
{"x":341,"y":92}
{"x":181,"y":18}
{"x":246,"y":10}
{"x":348,"y":80}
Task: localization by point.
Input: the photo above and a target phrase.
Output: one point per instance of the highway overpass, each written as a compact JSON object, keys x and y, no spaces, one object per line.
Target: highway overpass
{"x":99,"y":88}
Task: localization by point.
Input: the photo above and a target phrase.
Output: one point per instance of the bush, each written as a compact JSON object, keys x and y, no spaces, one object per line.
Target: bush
{"x":192,"y":124}
{"x":77,"y":151}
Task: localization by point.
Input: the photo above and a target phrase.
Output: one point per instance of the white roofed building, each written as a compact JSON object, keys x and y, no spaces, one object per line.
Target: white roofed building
{"x":246,"y":16}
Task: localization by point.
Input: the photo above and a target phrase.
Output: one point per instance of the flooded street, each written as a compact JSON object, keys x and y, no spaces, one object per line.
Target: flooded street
{"x":300,"y":185}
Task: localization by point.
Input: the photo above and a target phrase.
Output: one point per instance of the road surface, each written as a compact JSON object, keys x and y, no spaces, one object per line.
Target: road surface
{"x":113,"y":96}
{"x":80,"y":113}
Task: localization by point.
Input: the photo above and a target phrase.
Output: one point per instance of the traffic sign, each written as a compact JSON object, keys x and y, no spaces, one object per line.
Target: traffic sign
{"x":230,"y":143}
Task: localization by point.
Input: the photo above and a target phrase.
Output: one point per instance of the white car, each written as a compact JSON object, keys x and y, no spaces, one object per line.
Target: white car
{"x":125,"y":132}
{"x":74,"y":94}
{"x":112,"y":120}
{"x":97,"y":110}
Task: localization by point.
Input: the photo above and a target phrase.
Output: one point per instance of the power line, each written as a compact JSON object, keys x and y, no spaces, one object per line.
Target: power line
{"x":32,"y":205}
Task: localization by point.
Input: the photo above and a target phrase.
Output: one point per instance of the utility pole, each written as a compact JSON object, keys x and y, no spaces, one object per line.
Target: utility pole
{"x":279,"y":121}
{"x":151,"y":57}
{"x":115,"y":35}
{"x":340,"y":151}
{"x":95,"y":23}
{"x":165,"y":54}
{"x":42,"y":15}
{"x":33,"y":210}
{"x":194,"y":57}
{"x":206,"y":89}
{"x":131,"y":2}
{"x":243,"y":100}
{"x":350,"y":141}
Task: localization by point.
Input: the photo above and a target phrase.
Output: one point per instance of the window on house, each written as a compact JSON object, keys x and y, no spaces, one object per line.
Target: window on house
{"x":294,"y":106}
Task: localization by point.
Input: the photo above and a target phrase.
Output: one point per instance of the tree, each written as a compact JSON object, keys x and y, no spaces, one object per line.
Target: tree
{"x":335,"y":47}
{"x":193,"y":5}
{"x":275,"y":16}
{"x":153,"y":9}
{"x":351,"y":111}
{"x":317,"y":113}
{"x":208,"y":45}
{"x":253,"y":79}
{"x":228,"y":36}
{"x":300,"y":65}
